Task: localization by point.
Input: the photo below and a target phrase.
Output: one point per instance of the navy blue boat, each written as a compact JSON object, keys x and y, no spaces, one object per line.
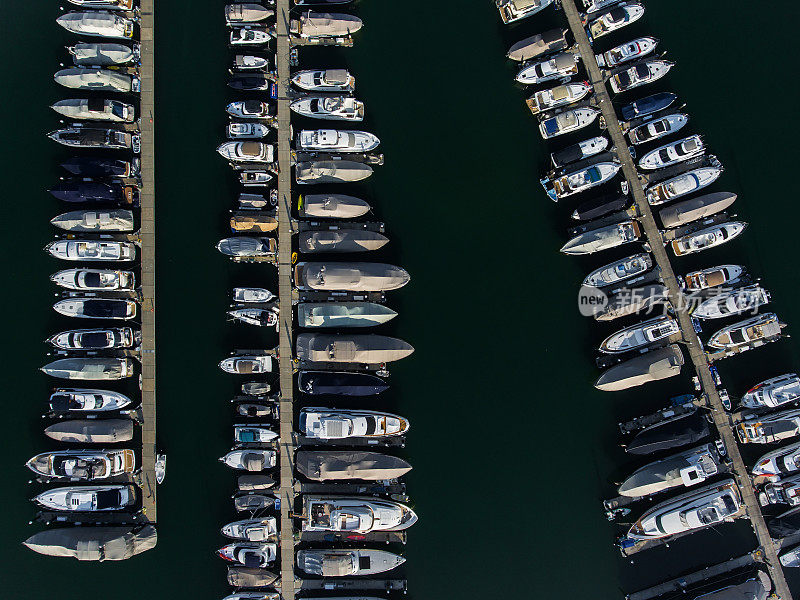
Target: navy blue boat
{"x":94,"y":191}
{"x":249,"y":82}
{"x":648,"y":105}
{"x":673,"y":433}
{"x":340,"y":383}
{"x":600,"y":207}
{"x":97,"y":167}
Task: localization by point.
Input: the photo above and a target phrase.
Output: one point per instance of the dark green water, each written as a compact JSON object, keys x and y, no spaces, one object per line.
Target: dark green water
{"x":512,"y":447}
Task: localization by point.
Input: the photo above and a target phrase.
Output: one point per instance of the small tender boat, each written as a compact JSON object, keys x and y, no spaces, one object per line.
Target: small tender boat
{"x":249,"y":109}
{"x":340,"y":240}
{"x":349,"y":276}
{"x":95,"y":280}
{"x":250,"y":459}
{"x":258,"y":202}
{"x":252,"y":434}
{"x":647,"y":105}
{"x":247,"y":295}
{"x":86,"y":166}
{"x":103,"y":54}
{"x":657,"y":128}
{"x":768,"y":429}
{"x":619,"y":271}
{"x":673,"y":153}
{"x":247,"y":152}
{"x":621,"y":15}
{"x":639,"y":335}
{"x":568,"y":121}
{"x":652,"y":366}
{"x":680,"y":185}
{"x":347,"y":562}
{"x":249,"y":554}
{"x":580,"y":180}
{"x":329,"y":108}
{"x":600,"y":207}
{"x":314,"y":25}
{"x":674,"y":432}
{"x":604,"y":238}
{"x":552,"y":40}
{"x":561,"y":65}
{"x":783,"y":490}
{"x":783,"y":461}
{"x":696,"y":208}
{"x":732,"y":302}
{"x":107,"y":4}
{"x":89,"y":498}
{"x":347,"y":465}
{"x":246,"y":131}
{"x":249,"y":35}
{"x":632,"y":301}
{"x":83,"y":465}
{"x":368,"y":349}
{"x":639,"y":74}
{"x":333,"y":140}
{"x":260,"y":317}
{"x":94,"y":543}
{"x":332,"y":206}
{"x":97,"y":24}
{"x":340,"y":383}
{"x":774,"y":392}
{"x":246,"y":12}
{"x":514,"y":10}
{"x":709,"y":237}
{"x":92,"y":250}
{"x":255,"y":178}
{"x":712,"y":277}
{"x":579,"y":151}
{"x":324,"y":80}
{"x":248,"y":247}
{"x":94,"y":339}
{"x":754,"y":329}
{"x":246,"y":364}
{"x":91,"y":431}
{"x":250,"y":82}
{"x":343,"y":314}
{"x":558,"y":96}
{"x":252,"y":530}
{"x":90,"y":369}
{"x":638,"y":48}
{"x":80,"y":136}
{"x":331,"y":171}
{"x":684,"y":469}
{"x":338,"y":424}
{"x":250,"y":62}
{"x":95,"y":109}
{"x":247,"y":222}
{"x":355,"y":514}
{"x":65,"y":400}
{"x":96,"y":78}
{"x":96,"y":308}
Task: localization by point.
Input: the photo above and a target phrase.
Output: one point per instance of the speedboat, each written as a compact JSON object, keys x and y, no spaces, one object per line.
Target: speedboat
{"x":604,"y":238}
{"x":639,"y":74}
{"x":258,"y":202}
{"x":332,"y":206}
{"x":97,"y":24}
{"x":774,"y":392}
{"x":769,"y":429}
{"x":331,"y":171}
{"x":552,"y":40}
{"x":250,"y":62}
{"x":684,"y":469}
{"x":704,"y":507}
{"x":654,"y":365}
{"x":340,"y":383}
{"x":94,"y":339}
{"x":619,"y":271}
{"x":581,"y":180}
{"x":260,"y":317}
{"x":95,"y":280}
{"x":340,"y":424}
{"x":346,"y":465}
{"x":695,"y":208}
{"x":347,"y":562}
{"x":754,"y":329}
{"x":247,"y":364}
{"x":252,"y":434}
{"x":343,"y":314}
{"x":106,"y":4}
{"x":248,"y":247}
{"x":250,"y":459}
{"x":94,"y":543}
{"x":252,"y":530}
{"x":250,"y":82}
{"x":250,"y":222}
{"x":709,"y":237}
{"x":324,"y":80}
{"x":90,"y":369}
{"x":249,"y":35}
{"x":249,"y":554}
{"x":248,"y":295}
{"x":95,"y":191}
{"x":66,"y":400}
{"x":673,"y":153}
{"x":575,"y":152}
{"x":103,"y":54}
{"x":332,"y":140}
{"x":647,"y":105}
{"x":88,"y":166}
{"x":639,"y":335}
{"x":657,"y":128}
{"x":782,"y":490}
{"x":89,"y":498}
{"x":783,"y":461}
{"x":255,"y":178}
{"x":732,"y":302}
{"x":349,"y":276}
{"x":514,"y":10}
{"x":314,"y":25}
{"x":92,"y":250}
{"x":685,"y":183}
{"x":249,"y":109}
{"x":712,"y":277}
{"x":95,"y":109}
{"x":561,"y":65}
{"x":340,"y":240}
{"x":83,"y":465}
{"x":673,"y":432}
{"x":96,"y":308}
{"x":621,"y":15}
{"x":567,"y":122}
{"x":638,"y":48}
{"x":96,"y":78}
{"x":329,"y":108}
{"x":247,"y":152}
{"x":788,"y":558}
{"x":246,"y":131}
{"x":355,"y":514}
{"x":246,"y":12}
{"x":368,"y":349}
{"x":80,"y":136}
{"x":558,"y":96}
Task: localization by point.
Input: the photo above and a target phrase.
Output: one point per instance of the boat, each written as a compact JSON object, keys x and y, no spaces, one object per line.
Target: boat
{"x":258,"y":202}
{"x":619,"y":271}
{"x":90,"y":369}
{"x":674,"y":432}
{"x":343,"y":314}
{"x":249,"y":109}
{"x":673,"y":153}
{"x":250,"y":459}
{"x":255,"y":178}
{"x":329,"y":108}
{"x":93,"y":543}
{"x":340,"y":383}
{"x":95,"y":280}
{"x":769,"y":429}
{"x":347,"y":562}
{"x":256,"y":410}
{"x":160,"y":468}
{"x":632,"y":301}
{"x":684,"y":469}
{"x":639,"y":74}
{"x":603,"y":238}
{"x":558,"y":96}
{"x":97,"y":79}
{"x":91,"y":431}
{"x":242,"y":222}
{"x":657,"y":128}
{"x":591,"y":6}
{"x":248,"y":295}
{"x":637,"y":48}
{"x":88,"y":498}
{"x":320,"y":2}
{"x":92,"y":250}
{"x":333,"y":140}
{"x":703,"y":507}
{"x":247,"y":364}
{"x":324,"y":80}
{"x":621,"y":15}
{"x":260,"y":317}
{"x":83,"y":465}
{"x":340,"y":240}
{"x":253,"y":502}
{"x":367,"y":349}
{"x":782,"y":490}
{"x":347,"y":465}
{"x":693,"y":209}
{"x":248,"y":247}
{"x":252,"y":530}
{"x":249,"y":35}
{"x":711,"y":277}
{"x":331,"y":171}
{"x":87,"y":400}
{"x":783,"y":461}
{"x":575,"y":152}
{"x":349,"y":276}
{"x":567,"y":122}
{"x":559,"y":66}
{"x":355,"y":514}
{"x":103,"y":54}
{"x":95,"y":191}
{"x":773,"y":392}
{"x":651,"y":366}
{"x":250,"y":577}
{"x":94,"y":339}
{"x":647,"y":105}
{"x":250,"y":62}
{"x":250,"y":82}
{"x":80,"y":136}
{"x":247,"y":152}
{"x":254,"y":483}
{"x":755,"y":329}
{"x":552,"y":40}
{"x":685,"y":183}
{"x":249,"y":554}
{"x":246,"y":12}
{"x":708,"y":237}
{"x":107,"y":4}
{"x":97,"y":24}
{"x":732,"y":302}
{"x":580,"y":180}
{"x":514,"y":10}
{"x":87,"y":166}
{"x":641,"y":334}
{"x":314,"y":25}
{"x":95,"y":109}
{"x":340,"y":424}
{"x":600,"y":207}
{"x":788,"y":558}
{"x":246,"y":131}
{"x":332,"y":206}
{"x":252,"y":434}
{"x":96,"y":308}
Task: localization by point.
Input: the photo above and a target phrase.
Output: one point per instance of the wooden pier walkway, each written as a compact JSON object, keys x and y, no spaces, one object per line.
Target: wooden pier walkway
{"x":691,"y":341}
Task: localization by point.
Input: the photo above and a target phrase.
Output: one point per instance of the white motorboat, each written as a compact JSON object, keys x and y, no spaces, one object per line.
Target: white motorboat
{"x":561,"y":65}
{"x":343,"y":314}
{"x":768,"y":429}
{"x":94,"y":339}
{"x":246,"y":12}
{"x":774,"y":392}
{"x":333,"y":140}
{"x":683,"y":184}
{"x":260,"y":317}
{"x":85,"y":136}
{"x":514,"y":10}
{"x":95,"y":110}
{"x":685,"y":469}
{"x":638,"y":48}
{"x":568,"y":121}
{"x":250,"y":459}
{"x":249,"y":554}
{"x":346,"y":562}
{"x":732,"y":302}
{"x":252,"y":434}
{"x":618,"y":17}
{"x":603,"y":238}
{"x":639,"y":74}
{"x":92,"y":250}
{"x":252,"y":530}
{"x":249,"y":109}
{"x":595,"y":5}
{"x":97,"y":79}
{"x":257,"y":152}
{"x":349,"y":276}
{"x":324,"y":80}
{"x":640,"y":335}
{"x":96,"y":308}
{"x":538,"y":45}
{"x":782,"y":461}
{"x":781,"y":490}
{"x":103,"y":54}
{"x":657,"y":128}
{"x":247,"y":364}
{"x":338,"y":424}
{"x":579,"y":151}
{"x":709,"y":237}
{"x":247,"y":295}
{"x":88,"y":498}
{"x":84,"y":465}
{"x":711,"y":277}
{"x":673,"y":153}
{"x":250,"y":62}
{"x":558,"y":96}
{"x":315,"y":25}
{"x":97,"y":24}
{"x":95,"y":280}
{"x":580,"y":180}
{"x":255,"y":178}
{"x":248,"y":247}
{"x":117,"y":220}
{"x":743,"y":333}
{"x":87,"y":400}
{"x":332,"y":206}
{"x":331,"y":171}
{"x":105,"y":4}
{"x":619,"y":271}
{"x":355,"y":514}
{"x":246,"y":131}
{"x":249,"y":35}
{"x":90,"y":369}
{"x":330,"y":108}
{"x":696,"y":208}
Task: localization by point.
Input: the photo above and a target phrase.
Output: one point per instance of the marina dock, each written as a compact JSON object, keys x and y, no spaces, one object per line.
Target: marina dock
{"x":690,"y":339}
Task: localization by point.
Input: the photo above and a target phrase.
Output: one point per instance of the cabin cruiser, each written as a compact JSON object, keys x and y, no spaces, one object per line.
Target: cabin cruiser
{"x":324,"y":80}
{"x":97,"y":24}
{"x":657,"y":128}
{"x":696,"y":208}
{"x":632,"y":301}
{"x":561,"y":65}
{"x":647,"y":105}
{"x":246,"y":131}
{"x":95,"y":109}
{"x":349,"y":276}
{"x":768,"y":429}
{"x":92,"y":250}
{"x":246,"y":12}
{"x":316,"y":25}
{"x":260,"y":317}
{"x":329,"y":108}
{"x":247,"y":364}
{"x":673,"y":153}
{"x":90,"y":369}
{"x":568,"y":121}
{"x":247,"y":152}
{"x":332,"y":206}
{"x":252,"y":530}
{"x":356,"y":514}
{"x":83,"y":465}
{"x":79,"y":136}
{"x":339,"y":424}
{"x":642,"y":334}
{"x":680,"y":185}
{"x":94,"y":191}
{"x":575,"y":152}
{"x":340,"y":383}
{"x":558,"y":96}
{"x":107,"y":4}
{"x":249,"y":554}
{"x":639,"y":74}
{"x":619,"y":271}
{"x":580,"y":180}
{"x":250,"y":82}
{"x":247,"y":295}
{"x":94,"y":339}
{"x":103,"y":54}
{"x":600,"y":207}
{"x":514,"y":10}
{"x":754,"y":329}
{"x":704,"y":507}
{"x":774,"y":392}
{"x":248,"y":35}
{"x":64,"y":400}
{"x":96,"y":78}
{"x":249,"y":109}
{"x":331,"y":171}
{"x":332,"y":140}
{"x":242,"y":222}
{"x":88,"y":498}
{"x":711,"y":277}
{"x":684,"y":469}
{"x":350,"y":348}
{"x":248,"y":247}
{"x":552,"y":40}
{"x":782,"y":490}
{"x":88,"y":166}
{"x":673,"y":432}
{"x":732,"y":302}
{"x":96,"y":308}
{"x":783,"y":461}
{"x":347,"y":562}
{"x":340,"y":240}
{"x":250,"y":459}
{"x":252,"y":434}
{"x":654,"y":365}
{"x":94,"y":543}
{"x":95,"y":280}
{"x":709,"y":237}
{"x":604,"y":238}
{"x":348,"y":465}
{"x":343,"y":314}
{"x":638,"y":48}
{"x":621,"y":15}
{"x":249,"y":62}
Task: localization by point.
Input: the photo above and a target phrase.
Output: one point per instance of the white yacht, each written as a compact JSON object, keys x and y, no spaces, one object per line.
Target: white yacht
{"x":781,"y":490}
{"x":780,"y":462}
{"x":95,"y":109}
{"x":618,"y":17}
{"x":732,"y":302}
{"x":260,"y":317}
{"x":355,"y":514}
{"x":117,"y":220}
{"x":105,"y":4}
{"x":673,"y":153}
{"x":638,"y":48}
{"x":349,"y":276}
{"x":97,"y":79}
{"x":774,"y":392}
{"x":250,"y":459}
{"x":538,"y":45}
{"x":768,"y":429}
{"x":247,"y":364}
{"x":252,"y":530}
{"x":96,"y":308}
{"x":343,"y":314}
{"x":84,"y":465}
{"x":324,"y":80}
{"x":578,"y":151}
{"x":554,"y":67}
{"x":252,"y":434}
{"x":568,"y":121}
{"x":706,"y":238}
{"x":711,"y":277}
{"x":242,"y":294}
{"x":657,"y":128}
{"x":257,"y":152}
{"x":88,"y":498}
{"x":92,"y":250}
{"x":103,"y":54}
{"x":246,"y":12}
{"x":248,"y":247}
{"x":95,"y":280}
{"x":315,"y":25}
{"x":754,"y":329}
{"x":603,"y":238}
{"x":87,"y":400}
{"x":333,"y":140}
{"x":580,"y":180}
{"x":639,"y":335}
{"x":682,"y":184}
{"x":329,"y":108}
{"x":249,"y":109}
{"x":639,"y":74}
{"x":90,"y":369}
{"x":246,"y":131}
{"x":347,"y":562}
{"x":338,"y":424}
{"x":619,"y":271}
{"x":249,"y":35}
{"x":514,"y":10}
{"x":250,"y":62}
{"x":558,"y":96}
{"x":684,"y":469}
{"x":249,"y":554}
{"x":94,"y":339}
{"x":97,"y":24}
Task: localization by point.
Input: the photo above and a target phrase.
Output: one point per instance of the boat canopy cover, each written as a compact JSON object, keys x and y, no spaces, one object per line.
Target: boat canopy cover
{"x":669,"y":434}
{"x":334,"y":205}
{"x":93,"y":543}
{"x":325,"y":24}
{"x":341,"y":240}
{"x":344,"y":348}
{"x":246,"y":13}
{"x":252,"y":483}
{"x":327,"y":563}
{"x":353,"y":276}
{"x":100,"y":431}
{"x":330,"y":170}
{"x":342,"y":465}
{"x":564,"y":61}
{"x":250,"y":577}
{"x":101,"y":54}
{"x":752,"y":589}
{"x":652,"y":366}
{"x":553,"y":39}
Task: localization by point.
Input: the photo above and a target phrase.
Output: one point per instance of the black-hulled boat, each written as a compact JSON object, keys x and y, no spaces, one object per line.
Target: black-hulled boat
{"x":249,"y":82}
{"x":672,"y":433}
{"x":95,"y":191}
{"x":600,"y":207}
{"x":648,"y":105}
{"x":98,"y":167}
{"x":340,"y":383}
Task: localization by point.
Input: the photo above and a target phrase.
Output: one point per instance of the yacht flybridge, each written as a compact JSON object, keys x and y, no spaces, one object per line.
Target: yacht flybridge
{"x":83,"y":465}
{"x":770,"y":428}
{"x":684,"y":469}
{"x":346,"y":562}
{"x":780,"y":462}
{"x":332,"y":140}
{"x":356,"y":514}
{"x":683,"y":184}
{"x":94,"y":339}
{"x":568,"y":121}
{"x":329,"y":108}
{"x":88,"y":498}
{"x":579,"y":180}
{"x":732,"y":302}
{"x":558,"y":96}
{"x":95,"y":110}
{"x":514,"y":10}
{"x":752,"y":330}
{"x":65,"y":400}
{"x":555,"y":67}
{"x":638,"y":48}
{"x":643,"y":334}
{"x":672,"y":153}
{"x":95,"y":280}
{"x":641,"y":73}
{"x":619,"y":271}
{"x":616,"y":18}
{"x":330,"y":80}
{"x":774,"y":392}
{"x":708,"y":237}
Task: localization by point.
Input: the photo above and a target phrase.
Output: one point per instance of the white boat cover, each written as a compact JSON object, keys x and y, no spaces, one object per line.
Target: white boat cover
{"x":362,"y":276}
{"x":337,"y":206}
{"x":693,"y":209}
{"x":652,"y":366}
{"x":341,"y":240}
{"x":93,"y":543}
{"x":328,"y":25}
{"x":246,"y":13}
{"x":101,"y":54}
{"x":350,"y":348}
{"x":92,"y":431}
{"x":330,"y":171}
{"x":91,"y":78}
{"x":341,"y":465}
{"x":250,"y":577}
{"x":97,"y":23}
{"x":549,"y":41}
